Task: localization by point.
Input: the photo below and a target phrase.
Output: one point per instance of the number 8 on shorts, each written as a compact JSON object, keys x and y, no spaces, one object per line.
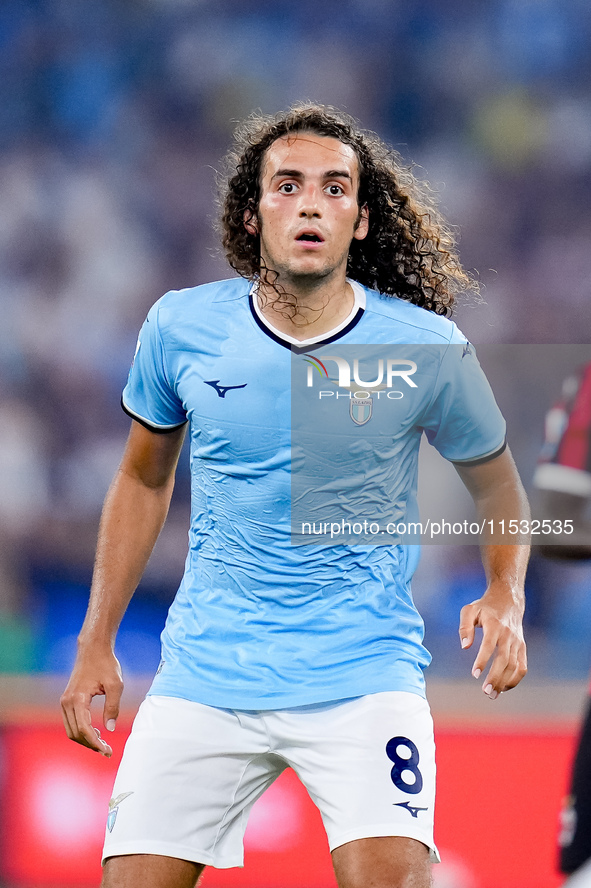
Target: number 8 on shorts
{"x":404,"y":764}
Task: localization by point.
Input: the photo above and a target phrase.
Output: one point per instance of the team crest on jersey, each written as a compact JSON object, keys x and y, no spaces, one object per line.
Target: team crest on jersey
{"x":360,"y":410}
{"x":114,"y":808}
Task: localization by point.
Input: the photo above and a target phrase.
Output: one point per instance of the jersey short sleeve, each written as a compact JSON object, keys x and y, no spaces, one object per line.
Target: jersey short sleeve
{"x":463,"y":420}
{"x":149,"y":396}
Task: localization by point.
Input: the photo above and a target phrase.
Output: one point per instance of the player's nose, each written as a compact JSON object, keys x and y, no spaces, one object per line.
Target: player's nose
{"x":310,"y":203}
{"x":310,"y":212}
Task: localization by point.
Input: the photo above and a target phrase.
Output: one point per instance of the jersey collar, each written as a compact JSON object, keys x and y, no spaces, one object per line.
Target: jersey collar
{"x":300,"y":345}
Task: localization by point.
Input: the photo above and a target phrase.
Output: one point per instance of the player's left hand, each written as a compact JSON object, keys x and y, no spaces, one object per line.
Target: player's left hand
{"x":500,"y":617}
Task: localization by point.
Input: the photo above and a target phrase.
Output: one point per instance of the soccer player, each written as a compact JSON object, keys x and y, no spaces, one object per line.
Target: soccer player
{"x":563,"y":479}
{"x":276,"y":654}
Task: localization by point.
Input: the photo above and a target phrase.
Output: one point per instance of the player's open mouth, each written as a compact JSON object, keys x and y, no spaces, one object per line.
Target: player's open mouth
{"x":310,"y":237}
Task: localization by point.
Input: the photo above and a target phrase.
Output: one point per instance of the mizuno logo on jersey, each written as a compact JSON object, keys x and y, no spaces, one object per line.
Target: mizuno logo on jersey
{"x":414,"y":812}
{"x":222,"y":389}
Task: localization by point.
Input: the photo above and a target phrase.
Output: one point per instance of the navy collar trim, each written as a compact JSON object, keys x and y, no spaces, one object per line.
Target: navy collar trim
{"x":301,"y":349}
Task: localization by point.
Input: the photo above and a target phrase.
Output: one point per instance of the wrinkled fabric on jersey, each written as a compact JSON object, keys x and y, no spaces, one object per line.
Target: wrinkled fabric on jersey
{"x":257,"y":621}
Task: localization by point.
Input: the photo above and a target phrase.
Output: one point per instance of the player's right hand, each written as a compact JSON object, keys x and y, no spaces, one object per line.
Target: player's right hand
{"x":95,"y":673}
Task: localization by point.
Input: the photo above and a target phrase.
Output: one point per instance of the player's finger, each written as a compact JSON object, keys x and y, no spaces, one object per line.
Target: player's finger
{"x":501,"y":671}
{"x":67,"y":724}
{"x":508,"y":667}
{"x":512,"y":677}
{"x":85,"y":734}
{"x":468,"y":620}
{"x":92,"y":740}
{"x":68,"y":703}
{"x":105,"y":749}
{"x":113,"y":693}
{"x":485,"y":652}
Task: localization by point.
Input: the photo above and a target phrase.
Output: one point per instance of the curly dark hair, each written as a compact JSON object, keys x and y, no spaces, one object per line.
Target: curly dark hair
{"x":409,"y":251}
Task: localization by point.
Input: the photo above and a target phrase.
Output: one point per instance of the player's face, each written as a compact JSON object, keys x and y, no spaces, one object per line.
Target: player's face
{"x":308,"y":212}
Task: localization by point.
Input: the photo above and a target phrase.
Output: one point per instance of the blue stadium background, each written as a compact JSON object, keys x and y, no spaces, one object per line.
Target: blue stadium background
{"x":114,"y":117}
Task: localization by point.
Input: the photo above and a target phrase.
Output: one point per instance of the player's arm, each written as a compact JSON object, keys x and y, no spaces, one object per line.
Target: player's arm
{"x":498,"y":494}
{"x":133,"y":514}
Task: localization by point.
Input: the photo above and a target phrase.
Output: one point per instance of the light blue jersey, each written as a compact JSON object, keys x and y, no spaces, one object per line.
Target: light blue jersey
{"x":259,"y":622}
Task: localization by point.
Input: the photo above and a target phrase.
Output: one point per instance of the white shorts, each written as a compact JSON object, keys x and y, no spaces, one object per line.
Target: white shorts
{"x":191,"y":773}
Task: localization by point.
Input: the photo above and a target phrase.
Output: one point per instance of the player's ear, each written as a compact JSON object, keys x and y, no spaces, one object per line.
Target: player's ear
{"x":362,"y":226}
{"x":250,"y":222}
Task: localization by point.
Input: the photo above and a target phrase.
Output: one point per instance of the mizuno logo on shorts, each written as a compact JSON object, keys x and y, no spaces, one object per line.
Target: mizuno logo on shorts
{"x":411,"y":810}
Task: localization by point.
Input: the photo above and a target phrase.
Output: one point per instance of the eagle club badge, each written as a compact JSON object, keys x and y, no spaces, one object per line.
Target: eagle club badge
{"x":360,"y":410}
{"x":114,"y":808}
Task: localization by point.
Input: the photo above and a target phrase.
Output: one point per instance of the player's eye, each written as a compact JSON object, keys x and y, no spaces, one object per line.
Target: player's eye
{"x":287,"y":188}
{"x":335,"y":190}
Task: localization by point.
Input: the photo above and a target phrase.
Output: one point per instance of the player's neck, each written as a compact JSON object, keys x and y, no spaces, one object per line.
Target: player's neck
{"x":321,"y":307}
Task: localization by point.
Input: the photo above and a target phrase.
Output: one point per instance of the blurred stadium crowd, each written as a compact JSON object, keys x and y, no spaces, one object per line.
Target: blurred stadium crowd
{"x":114,"y":117}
